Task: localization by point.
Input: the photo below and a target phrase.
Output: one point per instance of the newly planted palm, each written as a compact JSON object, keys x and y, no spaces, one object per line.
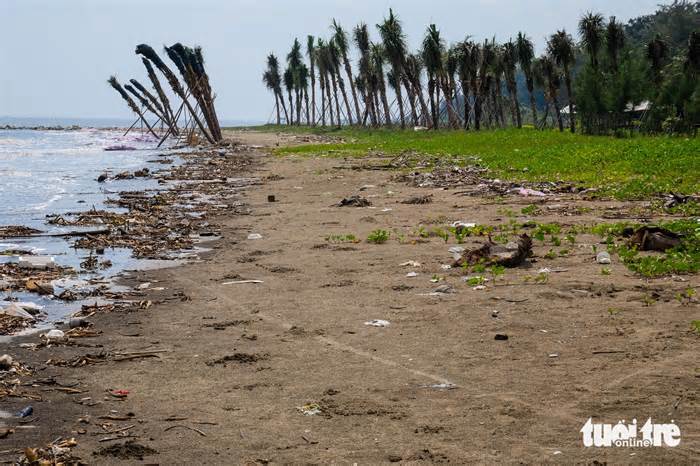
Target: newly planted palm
{"x":130,"y":102}
{"x":591,"y":30}
{"x":340,"y":39}
{"x":614,"y":42}
{"x":311,"y":53}
{"x":510,"y":61}
{"x":161,"y":93}
{"x":561,"y":48}
{"x":394,"y":43}
{"x":148,"y":52}
{"x":526,"y":54}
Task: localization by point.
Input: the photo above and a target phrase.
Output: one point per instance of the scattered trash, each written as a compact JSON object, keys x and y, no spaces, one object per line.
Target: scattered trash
{"x":444,"y":289}
{"x":494,"y":314}
{"x":553,"y":355}
{"x":119,"y":147}
{"x":526,"y":192}
{"x":119,"y":393}
{"x":411,"y":263}
{"x":412,"y":274}
{"x":650,"y":238}
{"x":603,"y":257}
{"x":366,"y":187}
{"x":310,"y":409}
{"x":77,"y":322}
{"x":501,"y":337}
{"x":254,"y":236}
{"x":13,"y":310}
{"x":354,"y":201}
{"x":240,"y":282}
{"x":271,"y":198}
{"x":445,"y":266}
{"x":36,"y":262}
{"x":479,"y":287}
{"x":378,"y":323}
{"x":387,"y":209}
{"x":5,"y":362}
{"x":460,"y":224}
{"x":25,"y":412}
{"x":491,"y":253}
{"x":420,"y":128}
{"x":425,"y":199}
{"x":456,"y":252}
{"x":143,"y":286}
{"x":442,"y":386}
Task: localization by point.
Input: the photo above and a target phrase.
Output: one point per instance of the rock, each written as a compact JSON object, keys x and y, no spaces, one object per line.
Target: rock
{"x":271,"y":198}
{"x":426,"y":199}
{"x":603,"y":257}
{"x":102,"y":178}
{"x":77,"y":322}
{"x":5,"y":362}
{"x":36,"y":262}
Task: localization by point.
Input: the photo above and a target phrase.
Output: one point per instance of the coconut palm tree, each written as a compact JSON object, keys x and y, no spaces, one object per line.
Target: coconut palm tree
{"x":465,"y":70}
{"x":451,"y":63}
{"x":288,"y":78}
{"x":294,"y":61}
{"x":303,"y":78}
{"x":394,"y":42}
{"x":336,"y":58}
{"x":510,"y":61}
{"x":614,"y":42}
{"x":657,"y":54}
{"x":486,"y":56}
{"x":547,"y":69}
{"x":414,"y":69}
{"x":561,"y":48}
{"x":312,"y":74}
{"x":497,"y":71}
{"x":324,"y":69}
{"x":432,"y":58}
{"x":361,"y":39}
{"x":377,"y":55}
{"x":273,"y":81}
{"x":129,"y":101}
{"x":340,"y":39}
{"x":590,"y":28}
{"x":526,"y":54}
{"x":148,"y":52}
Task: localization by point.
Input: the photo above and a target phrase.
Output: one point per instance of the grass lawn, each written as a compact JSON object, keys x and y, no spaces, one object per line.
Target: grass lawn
{"x":628,"y":168}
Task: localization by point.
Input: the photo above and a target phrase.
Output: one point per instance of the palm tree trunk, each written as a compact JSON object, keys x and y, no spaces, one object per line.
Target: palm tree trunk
{"x":277,"y":108}
{"x":451,"y":116}
{"x":313,"y":95}
{"x":306,"y":104}
{"x":465,"y":96}
{"x":341,"y":84}
{"x":411,"y":100}
{"x":299,"y":93}
{"x":437,"y":102}
{"x":399,"y":96}
{"x":291,"y":108}
{"x":533,"y":104}
{"x":278,"y":93}
{"x":418,"y":90}
{"x":570,"y":91}
{"x":477,"y":104}
{"x":555,"y":102}
{"x":385,"y":101}
{"x":377,"y":109}
{"x":348,"y":71}
{"x":322,"y":85}
{"x":335,"y":94}
{"x":329,"y":97}
{"x":499,"y":103}
{"x":431,"y":96}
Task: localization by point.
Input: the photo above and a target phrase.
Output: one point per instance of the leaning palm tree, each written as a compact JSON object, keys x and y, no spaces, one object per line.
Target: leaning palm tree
{"x":561,"y":48}
{"x":340,"y":39}
{"x":129,"y":101}
{"x":148,"y":52}
{"x":510,"y":61}
{"x":273,"y":79}
{"x":590,"y":28}
{"x":377,"y":58}
{"x":145,"y":103}
{"x":269,"y":81}
{"x":310,"y":52}
{"x":324,"y":72}
{"x":394,"y":42}
{"x":547,"y":68}
{"x":657,"y":54}
{"x":161,"y":93}
{"x":153,"y":102}
{"x":526,"y":53}
{"x":614,"y":42}
{"x":414,"y":69}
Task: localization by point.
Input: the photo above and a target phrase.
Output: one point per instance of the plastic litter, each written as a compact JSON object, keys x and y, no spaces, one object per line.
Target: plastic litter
{"x":529,"y":192}
{"x":55,"y":334}
{"x":16,"y":311}
{"x":603,"y":258}
{"x":239,"y":282}
{"x":36,"y":262}
{"x":310,"y":409}
{"x":412,"y":274}
{"x":25,"y":412}
{"x":378,"y":323}
{"x":411,"y":263}
{"x":255,"y":236}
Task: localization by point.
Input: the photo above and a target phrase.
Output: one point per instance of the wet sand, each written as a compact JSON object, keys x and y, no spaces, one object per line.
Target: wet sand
{"x":286,"y":371}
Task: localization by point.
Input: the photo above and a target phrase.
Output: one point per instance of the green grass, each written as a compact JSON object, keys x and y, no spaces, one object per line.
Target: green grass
{"x":622,"y":168}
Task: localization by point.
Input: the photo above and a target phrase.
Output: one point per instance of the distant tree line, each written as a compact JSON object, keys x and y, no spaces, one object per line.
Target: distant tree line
{"x":610,"y":77}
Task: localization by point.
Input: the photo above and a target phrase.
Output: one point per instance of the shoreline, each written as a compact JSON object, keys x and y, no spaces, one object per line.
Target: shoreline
{"x":224,"y":370}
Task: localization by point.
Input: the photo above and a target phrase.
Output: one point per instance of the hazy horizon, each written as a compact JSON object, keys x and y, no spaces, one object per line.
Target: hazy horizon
{"x":63,"y":52}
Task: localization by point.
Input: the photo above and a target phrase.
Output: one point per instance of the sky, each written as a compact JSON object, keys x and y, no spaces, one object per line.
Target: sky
{"x":56,"y":55}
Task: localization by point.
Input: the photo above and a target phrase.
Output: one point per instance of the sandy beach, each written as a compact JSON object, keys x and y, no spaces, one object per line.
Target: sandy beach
{"x":261,"y":353}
